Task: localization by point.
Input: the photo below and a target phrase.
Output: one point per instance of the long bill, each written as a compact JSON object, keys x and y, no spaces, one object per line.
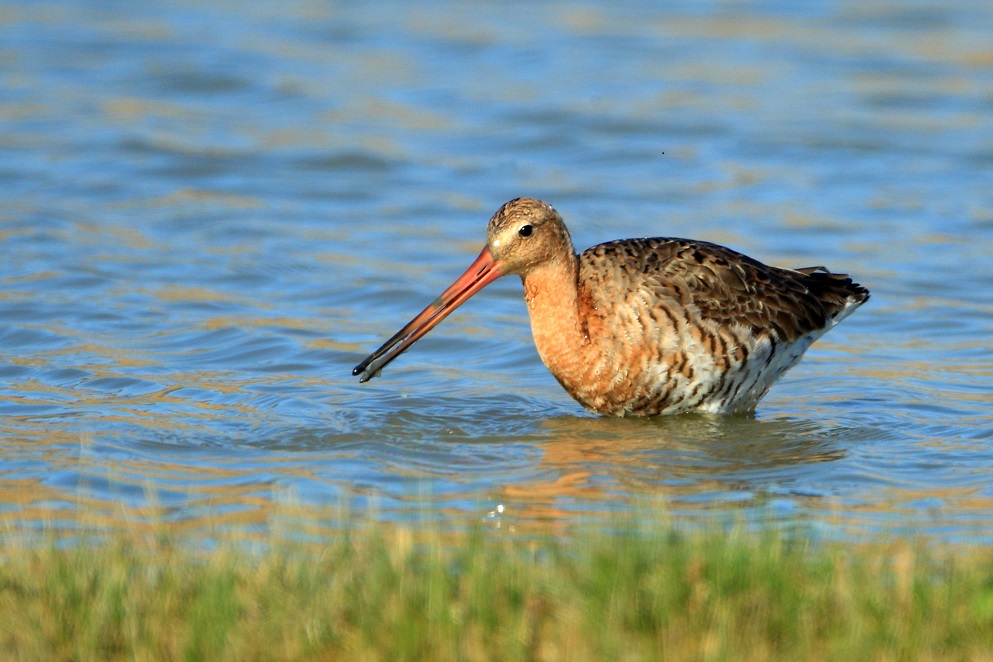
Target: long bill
{"x":480,"y":273}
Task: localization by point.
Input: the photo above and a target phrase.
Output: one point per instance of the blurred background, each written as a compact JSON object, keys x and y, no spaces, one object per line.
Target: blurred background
{"x":209,"y":214}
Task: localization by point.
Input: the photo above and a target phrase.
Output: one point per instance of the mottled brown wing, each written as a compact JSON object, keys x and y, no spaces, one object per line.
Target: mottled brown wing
{"x":725,"y":286}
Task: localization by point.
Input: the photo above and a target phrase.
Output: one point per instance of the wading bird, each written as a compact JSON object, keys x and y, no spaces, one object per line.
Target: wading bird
{"x":646,"y":326}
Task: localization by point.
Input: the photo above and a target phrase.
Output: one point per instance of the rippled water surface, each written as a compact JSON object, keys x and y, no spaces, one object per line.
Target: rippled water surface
{"x":208,"y":215}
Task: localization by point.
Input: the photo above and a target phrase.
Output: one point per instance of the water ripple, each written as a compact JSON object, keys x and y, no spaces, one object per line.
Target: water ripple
{"x":204,"y":229}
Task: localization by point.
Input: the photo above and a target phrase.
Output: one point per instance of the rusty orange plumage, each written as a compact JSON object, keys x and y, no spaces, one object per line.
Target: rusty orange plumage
{"x":646,"y":326}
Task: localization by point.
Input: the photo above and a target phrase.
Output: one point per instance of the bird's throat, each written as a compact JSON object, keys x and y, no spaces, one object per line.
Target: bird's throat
{"x":558,"y":323}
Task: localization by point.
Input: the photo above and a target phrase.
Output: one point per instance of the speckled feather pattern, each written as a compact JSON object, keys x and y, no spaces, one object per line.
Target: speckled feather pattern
{"x":666,"y":325}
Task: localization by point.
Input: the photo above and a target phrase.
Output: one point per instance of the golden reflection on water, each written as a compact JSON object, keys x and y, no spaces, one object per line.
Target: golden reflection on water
{"x":88,"y":488}
{"x":583,"y":468}
{"x":601,"y":460}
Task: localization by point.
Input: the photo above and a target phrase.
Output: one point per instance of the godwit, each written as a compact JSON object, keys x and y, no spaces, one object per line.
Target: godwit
{"x":646,"y":326}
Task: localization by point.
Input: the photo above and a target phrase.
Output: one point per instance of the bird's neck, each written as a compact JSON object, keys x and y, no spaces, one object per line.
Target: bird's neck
{"x":551,"y":291}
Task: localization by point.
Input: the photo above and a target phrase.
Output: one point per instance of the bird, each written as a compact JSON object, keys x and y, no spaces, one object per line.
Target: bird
{"x":646,"y":327}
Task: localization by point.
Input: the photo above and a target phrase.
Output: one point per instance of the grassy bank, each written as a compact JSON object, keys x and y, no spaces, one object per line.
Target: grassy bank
{"x":380,"y":593}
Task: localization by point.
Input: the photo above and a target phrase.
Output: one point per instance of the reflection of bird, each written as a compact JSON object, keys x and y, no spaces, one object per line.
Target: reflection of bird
{"x":646,"y":326}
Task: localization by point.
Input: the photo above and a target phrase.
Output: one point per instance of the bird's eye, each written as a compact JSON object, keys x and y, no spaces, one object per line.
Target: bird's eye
{"x":526,"y":230}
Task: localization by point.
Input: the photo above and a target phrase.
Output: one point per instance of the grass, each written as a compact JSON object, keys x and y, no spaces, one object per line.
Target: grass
{"x":376,"y":592}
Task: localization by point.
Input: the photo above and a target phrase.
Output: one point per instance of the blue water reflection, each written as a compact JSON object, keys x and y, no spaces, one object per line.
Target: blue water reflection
{"x":210,"y":214}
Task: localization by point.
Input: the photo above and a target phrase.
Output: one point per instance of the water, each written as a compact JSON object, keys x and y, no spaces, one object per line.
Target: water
{"x":208,"y":215}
